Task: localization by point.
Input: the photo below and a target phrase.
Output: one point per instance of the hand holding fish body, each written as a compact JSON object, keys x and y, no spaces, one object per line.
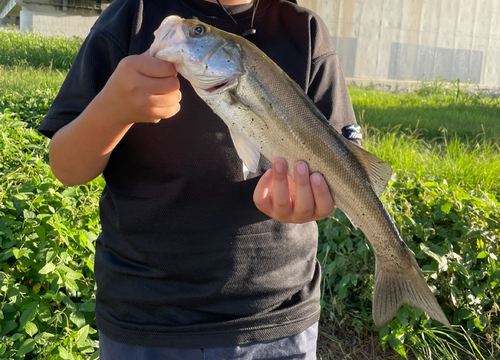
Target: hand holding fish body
{"x":267,"y":112}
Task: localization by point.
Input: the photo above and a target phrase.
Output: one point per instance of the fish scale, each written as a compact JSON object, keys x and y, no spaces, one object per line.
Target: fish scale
{"x":268,"y":113}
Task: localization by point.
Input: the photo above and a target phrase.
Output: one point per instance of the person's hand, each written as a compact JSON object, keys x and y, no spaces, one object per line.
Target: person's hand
{"x":308,"y":198}
{"x":142,"y":89}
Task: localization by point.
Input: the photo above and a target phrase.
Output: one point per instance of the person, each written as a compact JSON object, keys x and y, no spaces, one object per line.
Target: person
{"x":193,"y":261}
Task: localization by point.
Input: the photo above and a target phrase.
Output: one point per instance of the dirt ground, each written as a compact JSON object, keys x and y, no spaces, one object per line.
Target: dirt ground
{"x":336,"y":344}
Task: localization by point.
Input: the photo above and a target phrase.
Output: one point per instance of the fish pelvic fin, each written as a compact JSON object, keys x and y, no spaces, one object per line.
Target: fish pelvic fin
{"x":378,"y":171}
{"x":395,"y":288}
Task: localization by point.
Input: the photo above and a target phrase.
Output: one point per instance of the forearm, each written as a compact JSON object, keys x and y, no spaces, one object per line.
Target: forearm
{"x":141,"y":90}
{"x":80,"y":151}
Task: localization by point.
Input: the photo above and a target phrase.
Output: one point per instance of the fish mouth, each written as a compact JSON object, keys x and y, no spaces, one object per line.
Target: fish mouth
{"x":169,"y":33}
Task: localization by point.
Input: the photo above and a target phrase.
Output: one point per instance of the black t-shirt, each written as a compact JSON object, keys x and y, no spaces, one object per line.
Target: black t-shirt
{"x":184,"y":258}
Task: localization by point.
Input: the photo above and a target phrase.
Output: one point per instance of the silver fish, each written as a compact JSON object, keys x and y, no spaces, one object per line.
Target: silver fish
{"x":268,"y":113}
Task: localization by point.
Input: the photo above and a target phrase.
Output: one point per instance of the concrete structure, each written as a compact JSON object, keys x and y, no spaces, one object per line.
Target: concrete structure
{"x":9,"y":13}
{"x":377,"y":40}
{"x":51,"y":17}
{"x":401,"y":40}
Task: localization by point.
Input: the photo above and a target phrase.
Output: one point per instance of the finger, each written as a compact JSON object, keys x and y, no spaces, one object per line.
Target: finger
{"x":157,"y":114}
{"x":281,"y":193}
{"x":149,"y":66}
{"x":303,"y":209}
{"x":261,"y":197}
{"x":322,"y":197}
{"x":162,"y":86}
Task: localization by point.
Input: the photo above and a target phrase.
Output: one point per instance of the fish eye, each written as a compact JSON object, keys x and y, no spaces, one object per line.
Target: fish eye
{"x":199,"y":30}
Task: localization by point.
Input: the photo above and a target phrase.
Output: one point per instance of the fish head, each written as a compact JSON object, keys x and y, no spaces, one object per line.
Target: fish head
{"x":210,"y":59}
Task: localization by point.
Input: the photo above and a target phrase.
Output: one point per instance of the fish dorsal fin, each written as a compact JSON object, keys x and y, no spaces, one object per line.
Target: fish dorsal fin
{"x":248,"y":152}
{"x":377,"y":169}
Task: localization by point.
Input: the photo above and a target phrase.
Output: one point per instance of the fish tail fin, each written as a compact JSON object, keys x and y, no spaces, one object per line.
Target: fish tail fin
{"x":393,"y":288}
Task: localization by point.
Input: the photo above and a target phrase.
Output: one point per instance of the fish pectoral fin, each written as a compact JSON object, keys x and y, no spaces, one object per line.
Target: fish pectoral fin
{"x":377,"y":169}
{"x":395,"y":287}
{"x":206,"y":82}
{"x":248,"y":152}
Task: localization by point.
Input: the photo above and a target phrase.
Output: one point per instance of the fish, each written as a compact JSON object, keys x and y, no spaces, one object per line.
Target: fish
{"x":268,"y":113}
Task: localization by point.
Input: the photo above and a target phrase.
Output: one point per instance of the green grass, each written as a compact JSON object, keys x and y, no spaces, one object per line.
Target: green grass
{"x":55,"y":52}
{"x":25,"y":79}
{"x":436,"y":110}
{"x":474,"y":165}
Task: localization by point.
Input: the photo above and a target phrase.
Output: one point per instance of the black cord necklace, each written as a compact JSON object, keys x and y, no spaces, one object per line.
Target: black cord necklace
{"x":247,"y":34}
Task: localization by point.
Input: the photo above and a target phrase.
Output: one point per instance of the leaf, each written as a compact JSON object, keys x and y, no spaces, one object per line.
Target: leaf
{"x":446,"y":207}
{"x":430,"y":184}
{"x":26,"y":347}
{"x":28,"y":214}
{"x":453,"y":216}
{"x":478,"y":324}
{"x":27,"y":315}
{"x":8,"y":326}
{"x":342,"y":292}
{"x":73,"y":275}
{"x":384,"y":332}
{"x":43,"y":313}
{"x":77,"y":318}
{"x":37,"y":287}
{"x":482,"y":254}
{"x":47,"y":268}
{"x":82,"y":336}
{"x":434,"y":251}
{"x":40,"y":231}
{"x":18,"y":253}
{"x":30,"y":328}
{"x":63,"y":353}
{"x":71,"y":284}
{"x":88,"y":306}
{"x":50,"y":255}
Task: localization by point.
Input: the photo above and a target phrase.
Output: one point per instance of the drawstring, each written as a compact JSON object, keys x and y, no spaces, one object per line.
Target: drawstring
{"x":248,"y":34}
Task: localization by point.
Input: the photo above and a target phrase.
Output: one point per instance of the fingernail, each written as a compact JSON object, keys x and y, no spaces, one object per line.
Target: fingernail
{"x":316,"y":178}
{"x":301,"y":168}
{"x":278,"y":166}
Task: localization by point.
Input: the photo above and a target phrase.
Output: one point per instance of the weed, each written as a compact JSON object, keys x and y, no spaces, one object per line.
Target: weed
{"x":36,"y":50}
{"x":434,"y":109}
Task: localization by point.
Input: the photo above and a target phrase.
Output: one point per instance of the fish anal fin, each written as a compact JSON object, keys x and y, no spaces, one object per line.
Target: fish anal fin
{"x":395,"y":287}
{"x":378,"y":171}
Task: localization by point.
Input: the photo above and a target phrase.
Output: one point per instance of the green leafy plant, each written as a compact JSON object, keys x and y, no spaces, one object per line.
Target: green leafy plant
{"x":47,"y":235}
{"x":30,"y":107}
{"x":455,"y":235}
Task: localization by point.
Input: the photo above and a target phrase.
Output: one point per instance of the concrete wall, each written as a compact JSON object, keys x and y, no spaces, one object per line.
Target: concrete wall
{"x":55,"y":24}
{"x":415,"y":39}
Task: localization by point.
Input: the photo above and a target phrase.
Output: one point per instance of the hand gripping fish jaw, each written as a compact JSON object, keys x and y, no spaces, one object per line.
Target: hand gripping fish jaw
{"x":208,"y":61}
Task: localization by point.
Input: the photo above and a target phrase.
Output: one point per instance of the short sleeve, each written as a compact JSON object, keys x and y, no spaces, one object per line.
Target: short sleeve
{"x":94,"y":64}
{"x":327,"y":86}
